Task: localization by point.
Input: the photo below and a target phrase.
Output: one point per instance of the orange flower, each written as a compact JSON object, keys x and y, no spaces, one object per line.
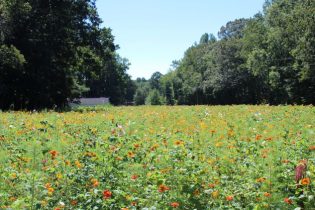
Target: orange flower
{"x":90,"y":154}
{"x":47,"y":185}
{"x":312,"y":148}
{"x":95,"y":183}
{"x":77,"y":164}
{"x":107,"y":194}
{"x":261,"y":179}
{"x":229,"y":198}
{"x":53,"y":154}
{"x":196,"y":192}
{"x":131,"y":154}
{"x":306,"y":181}
{"x":178,"y":142}
{"x":124,"y":209}
{"x":67,"y":162}
{"x":267,"y":194}
{"x":211,"y":185}
{"x":163,"y":188}
{"x":174,"y":204}
{"x":258,"y":137}
{"x":74,"y":202}
{"x":154,"y":147}
{"x":12,"y":199}
{"x":288,"y":201}
{"x":286,"y":161}
{"x":133,"y":203}
{"x":51,"y":190}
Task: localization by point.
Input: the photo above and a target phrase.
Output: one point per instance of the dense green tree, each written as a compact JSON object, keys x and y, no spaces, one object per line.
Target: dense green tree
{"x":142,"y":91}
{"x":140,"y":96}
{"x":291,"y":46}
{"x":154,"y":98}
{"x":11,"y":68}
{"x":167,"y":83}
{"x":155,"y":80}
{"x":204,"y":39}
{"x":265,"y":59}
{"x":67,"y":54}
{"x":226,"y":78}
{"x":255,"y":54}
{"x":233,"y":29}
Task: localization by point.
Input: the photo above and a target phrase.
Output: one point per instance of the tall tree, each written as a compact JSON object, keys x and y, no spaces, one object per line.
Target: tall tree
{"x":155,"y":80}
{"x":233,"y":29}
{"x":67,"y":54}
{"x":204,"y":39}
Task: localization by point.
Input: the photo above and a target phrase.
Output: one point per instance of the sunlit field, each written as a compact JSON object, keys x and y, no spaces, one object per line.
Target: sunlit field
{"x":157,"y":158}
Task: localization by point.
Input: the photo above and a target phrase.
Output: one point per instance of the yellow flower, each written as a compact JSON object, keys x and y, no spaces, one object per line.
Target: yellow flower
{"x":43,"y":203}
{"x":219,"y":144}
{"x":13,"y":175}
{"x":59,"y":176}
{"x":215,"y":194}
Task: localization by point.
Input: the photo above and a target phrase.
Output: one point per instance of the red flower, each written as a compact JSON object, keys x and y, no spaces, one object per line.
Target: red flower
{"x":288,"y":201}
{"x":134,"y":177}
{"x":229,"y":198}
{"x":107,"y":194}
{"x":163,"y":188}
{"x":174,"y":204}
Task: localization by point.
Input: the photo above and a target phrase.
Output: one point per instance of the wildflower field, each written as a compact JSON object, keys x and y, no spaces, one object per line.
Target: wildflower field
{"x":201,"y":157}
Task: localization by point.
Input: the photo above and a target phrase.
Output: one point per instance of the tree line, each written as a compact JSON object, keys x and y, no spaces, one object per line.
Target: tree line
{"x":269,"y":58}
{"x":52,"y":51}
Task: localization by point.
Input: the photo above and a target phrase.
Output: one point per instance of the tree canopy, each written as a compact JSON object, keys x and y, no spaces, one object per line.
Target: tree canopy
{"x":269,"y":58}
{"x":53,"y":51}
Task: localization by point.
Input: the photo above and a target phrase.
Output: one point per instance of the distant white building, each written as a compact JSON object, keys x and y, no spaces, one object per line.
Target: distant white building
{"x":90,"y":101}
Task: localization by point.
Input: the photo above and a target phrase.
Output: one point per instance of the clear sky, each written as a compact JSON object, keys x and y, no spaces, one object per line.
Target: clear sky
{"x":153,"y":33}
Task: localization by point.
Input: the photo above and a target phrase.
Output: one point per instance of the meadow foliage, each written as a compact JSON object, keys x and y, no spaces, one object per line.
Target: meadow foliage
{"x":200,"y":157}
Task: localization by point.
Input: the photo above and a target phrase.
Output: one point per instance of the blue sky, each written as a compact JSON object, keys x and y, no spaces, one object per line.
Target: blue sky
{"x":153,"y":33}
